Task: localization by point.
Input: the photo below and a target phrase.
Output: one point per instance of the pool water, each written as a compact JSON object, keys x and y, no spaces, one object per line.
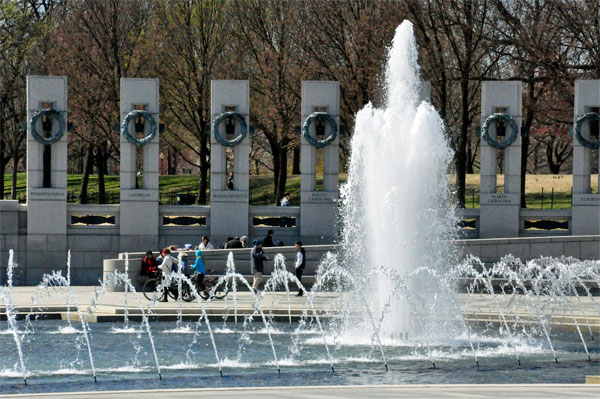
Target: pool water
{"x":56,"y":359}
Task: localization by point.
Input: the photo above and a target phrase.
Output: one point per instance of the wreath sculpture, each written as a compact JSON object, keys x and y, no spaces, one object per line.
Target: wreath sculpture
{"x":329,"y":139}
{"x":495,"y":118}
{"x":592,"y":116}
{"x":147,"y":117}
{"x":53,"y":114}
{"x":243,"y":129}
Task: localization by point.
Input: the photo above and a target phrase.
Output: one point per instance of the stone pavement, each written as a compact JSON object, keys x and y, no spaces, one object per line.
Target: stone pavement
{"x":547,"y":391}
{"x":478,"y":308}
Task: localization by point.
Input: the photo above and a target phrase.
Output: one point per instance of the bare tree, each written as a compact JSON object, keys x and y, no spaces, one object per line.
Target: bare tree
{"x":267,"y":36}
{"x":347,"y":41}
{"x":455,"y":37}
{"x":97,"y":43}
{"x":193,"y":44}
{"x":581,"y":21}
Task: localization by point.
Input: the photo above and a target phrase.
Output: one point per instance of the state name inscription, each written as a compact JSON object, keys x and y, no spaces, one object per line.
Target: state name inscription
{"x":47,"y":194}
{"x":229,"y":195}
{"x":499,"y":199}
{"x":139,"y":195}
{"x":586,"y":199}
{"x":590,"y":199}
{"x":322,"y":197}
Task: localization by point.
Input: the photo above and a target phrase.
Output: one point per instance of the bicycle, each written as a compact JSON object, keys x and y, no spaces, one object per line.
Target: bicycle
{"x":209,"y":283}
{"x":173,"y":290}
{"x":187,"y":294}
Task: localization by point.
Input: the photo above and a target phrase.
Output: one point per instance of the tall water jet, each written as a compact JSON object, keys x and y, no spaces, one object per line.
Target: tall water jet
{"x":397,"y":209}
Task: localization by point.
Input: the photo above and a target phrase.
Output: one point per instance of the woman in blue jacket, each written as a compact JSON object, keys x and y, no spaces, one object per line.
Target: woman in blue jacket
{"x":200,"y":269}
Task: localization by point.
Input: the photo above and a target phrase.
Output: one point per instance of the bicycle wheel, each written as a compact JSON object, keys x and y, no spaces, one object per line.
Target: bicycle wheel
{"x":221,"y":290}
{"x":150,"y":289}
{"x":186,"y":293}
{"x":207,"y":288}
{"x":173,"y":291}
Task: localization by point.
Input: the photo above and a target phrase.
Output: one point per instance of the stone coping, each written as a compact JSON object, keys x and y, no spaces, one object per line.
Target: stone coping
{"x":334,"y":247}
{"x":344,"y":391}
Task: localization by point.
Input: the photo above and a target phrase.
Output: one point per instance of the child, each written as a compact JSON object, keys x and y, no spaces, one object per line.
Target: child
{"x":200,"y":269}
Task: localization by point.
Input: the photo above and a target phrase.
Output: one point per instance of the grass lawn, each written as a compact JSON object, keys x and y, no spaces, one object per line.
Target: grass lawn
{"x":541,"y":191}
{"x":539,"y":188}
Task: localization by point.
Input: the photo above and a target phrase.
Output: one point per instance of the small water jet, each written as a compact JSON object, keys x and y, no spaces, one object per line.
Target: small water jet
{"x":7,"y":299}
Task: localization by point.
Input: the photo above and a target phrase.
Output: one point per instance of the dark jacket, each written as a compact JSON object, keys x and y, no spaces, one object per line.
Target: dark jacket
{"x":234,"y":244}
{"x":268,"y":242}
{"x":303,"y":265}
{"x":257,"y":258}
{"x":149,"y":266}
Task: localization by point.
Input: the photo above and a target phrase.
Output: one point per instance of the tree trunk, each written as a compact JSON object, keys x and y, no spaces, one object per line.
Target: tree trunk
{"x":276,"y":169}
{"x":282,"y":180}
{"x":553,"y":166}
{"x":2,"y":171}
{"x":101,"y":185}
{"x":85,"y":178}
{"x":171,"y":161}
{"x":13,"y":188}
{"x":296,"y":161}
{"x":3,"y":162}
{"x":469,"y":155}
{"x":101,"y":159}
{"x":530,"y":105}
{"x":204,"y":167}
{"x":461,"y":145}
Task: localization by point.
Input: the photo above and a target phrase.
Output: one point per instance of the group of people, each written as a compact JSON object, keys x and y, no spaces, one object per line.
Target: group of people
{"x":242,"y":242}
{"x":258,"y":258}
{"x":166,"y":263}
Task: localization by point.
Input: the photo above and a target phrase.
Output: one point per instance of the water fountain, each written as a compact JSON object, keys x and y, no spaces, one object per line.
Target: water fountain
{"x":395,"y":203}
{"x":396,"y":293}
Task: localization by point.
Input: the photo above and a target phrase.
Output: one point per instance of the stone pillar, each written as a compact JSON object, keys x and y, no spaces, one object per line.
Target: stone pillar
{"x":138,"y":218}
{"x":9,"y":235}
{"x":46,"y":203}
{"x":318,"y":212}
{"x":229,"y":208}
{"x":585,"y":211}
{"x":499,"y":212}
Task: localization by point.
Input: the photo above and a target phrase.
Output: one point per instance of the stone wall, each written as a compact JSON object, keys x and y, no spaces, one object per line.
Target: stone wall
{"x":489,"y":250}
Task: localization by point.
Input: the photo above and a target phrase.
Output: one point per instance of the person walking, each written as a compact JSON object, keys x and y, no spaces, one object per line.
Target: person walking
{"x":166,"y":267}
{"x":268,"y":240}
{"x":257,"y":258}
{"x":205,"y":244}
{"x":299,"y":265}
{"x":285,"y":201}
{"x":200,"y":269}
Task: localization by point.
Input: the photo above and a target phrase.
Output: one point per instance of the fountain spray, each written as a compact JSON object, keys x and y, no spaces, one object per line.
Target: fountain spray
{"x":6,"y":296}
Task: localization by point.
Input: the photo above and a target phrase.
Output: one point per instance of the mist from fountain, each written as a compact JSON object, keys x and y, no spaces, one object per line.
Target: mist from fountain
{"x":395,"y":204}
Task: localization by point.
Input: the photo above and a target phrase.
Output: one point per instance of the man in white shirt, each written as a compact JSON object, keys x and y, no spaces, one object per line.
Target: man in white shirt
{"x":205,"y":244}
{"x":166,"y":267}
{"x":299,"y":265}
{"x":285,"y":201}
